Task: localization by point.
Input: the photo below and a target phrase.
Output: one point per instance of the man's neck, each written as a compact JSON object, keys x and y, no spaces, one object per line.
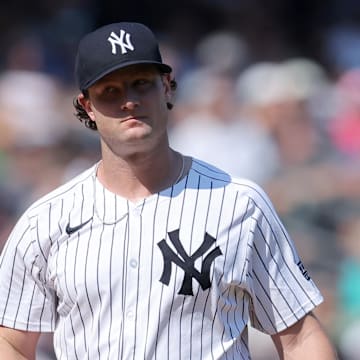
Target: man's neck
{"x":138,"y":177}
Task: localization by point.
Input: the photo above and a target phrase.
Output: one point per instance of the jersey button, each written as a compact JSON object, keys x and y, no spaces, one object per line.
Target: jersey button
{"x":130,"y":314}
{"x":133,"y":263}
{"x":137,"y":211}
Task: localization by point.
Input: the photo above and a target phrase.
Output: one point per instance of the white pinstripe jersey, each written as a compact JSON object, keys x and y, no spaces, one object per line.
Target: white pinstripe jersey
{"x":176,"y":276}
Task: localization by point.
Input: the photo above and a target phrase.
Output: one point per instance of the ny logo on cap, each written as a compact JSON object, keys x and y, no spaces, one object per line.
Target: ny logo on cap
{"x":124,"y":43}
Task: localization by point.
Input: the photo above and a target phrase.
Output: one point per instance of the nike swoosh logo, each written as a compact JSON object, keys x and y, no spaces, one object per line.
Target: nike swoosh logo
{"x":72,"y":229}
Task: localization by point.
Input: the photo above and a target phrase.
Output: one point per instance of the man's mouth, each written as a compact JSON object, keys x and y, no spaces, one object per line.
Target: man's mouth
{"x":134,"y":118}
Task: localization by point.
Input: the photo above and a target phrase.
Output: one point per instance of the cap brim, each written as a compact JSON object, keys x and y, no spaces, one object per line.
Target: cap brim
{"x":163,"y":67}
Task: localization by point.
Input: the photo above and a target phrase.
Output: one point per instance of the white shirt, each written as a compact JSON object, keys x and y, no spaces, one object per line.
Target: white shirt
{"x":178,"y":275}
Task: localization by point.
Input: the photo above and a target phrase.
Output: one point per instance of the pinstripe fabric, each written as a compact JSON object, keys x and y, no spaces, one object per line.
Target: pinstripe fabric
{"x":99,"y":287}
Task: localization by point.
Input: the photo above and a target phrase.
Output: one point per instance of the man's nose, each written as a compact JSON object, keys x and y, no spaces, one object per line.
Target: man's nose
{"x":129,"y":105}
{"x":130,"y":101}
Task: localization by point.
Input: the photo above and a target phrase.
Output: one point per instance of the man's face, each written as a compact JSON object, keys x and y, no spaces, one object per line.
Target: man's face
{"x":129,"y":106}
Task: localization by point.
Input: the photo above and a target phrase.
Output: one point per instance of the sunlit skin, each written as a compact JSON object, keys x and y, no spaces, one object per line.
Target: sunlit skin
{"x":129,"y":107}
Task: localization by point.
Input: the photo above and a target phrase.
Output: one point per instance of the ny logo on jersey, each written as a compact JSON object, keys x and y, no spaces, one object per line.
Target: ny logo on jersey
{"x":125,"y":44}
{"x":186,"y":262}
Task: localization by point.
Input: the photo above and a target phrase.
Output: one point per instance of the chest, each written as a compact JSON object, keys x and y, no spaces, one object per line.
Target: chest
{"x":148,"y":251}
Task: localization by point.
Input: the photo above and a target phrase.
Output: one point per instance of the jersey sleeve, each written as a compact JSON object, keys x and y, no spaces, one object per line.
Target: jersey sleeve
{"x":281,"y":290}
{"x":26,"y":302}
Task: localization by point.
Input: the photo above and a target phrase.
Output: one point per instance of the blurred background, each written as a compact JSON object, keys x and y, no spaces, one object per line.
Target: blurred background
{"x":268,"y":90}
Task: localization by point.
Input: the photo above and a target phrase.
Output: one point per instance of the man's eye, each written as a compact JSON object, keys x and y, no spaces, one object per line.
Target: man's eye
{"x":142,"y":83}
{"x":111,"y":90}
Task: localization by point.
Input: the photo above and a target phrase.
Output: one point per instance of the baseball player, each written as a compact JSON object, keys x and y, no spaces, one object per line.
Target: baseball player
{"x":150,"y":254}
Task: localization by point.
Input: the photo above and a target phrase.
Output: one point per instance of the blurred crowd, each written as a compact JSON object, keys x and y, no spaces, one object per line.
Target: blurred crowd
{"x":288,"y":121}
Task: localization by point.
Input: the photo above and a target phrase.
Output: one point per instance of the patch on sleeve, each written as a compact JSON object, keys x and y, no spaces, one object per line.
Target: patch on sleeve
{"x":303,"y":270}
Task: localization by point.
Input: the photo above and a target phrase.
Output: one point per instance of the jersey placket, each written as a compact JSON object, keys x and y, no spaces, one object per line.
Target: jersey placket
{"x":131,"y":296}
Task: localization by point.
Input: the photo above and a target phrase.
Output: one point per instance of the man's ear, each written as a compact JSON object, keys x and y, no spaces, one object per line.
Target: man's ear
{"x":167,"y":85}
{"x":166,"y":79}
{"x":86,"y":104}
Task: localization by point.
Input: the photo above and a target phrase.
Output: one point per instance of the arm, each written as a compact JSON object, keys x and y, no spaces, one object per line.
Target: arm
{"x":17,"y":344}
{"x":304,"y":340}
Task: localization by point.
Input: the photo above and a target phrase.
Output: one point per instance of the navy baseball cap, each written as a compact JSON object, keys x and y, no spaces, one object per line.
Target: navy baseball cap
{"x":115,"y":46}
